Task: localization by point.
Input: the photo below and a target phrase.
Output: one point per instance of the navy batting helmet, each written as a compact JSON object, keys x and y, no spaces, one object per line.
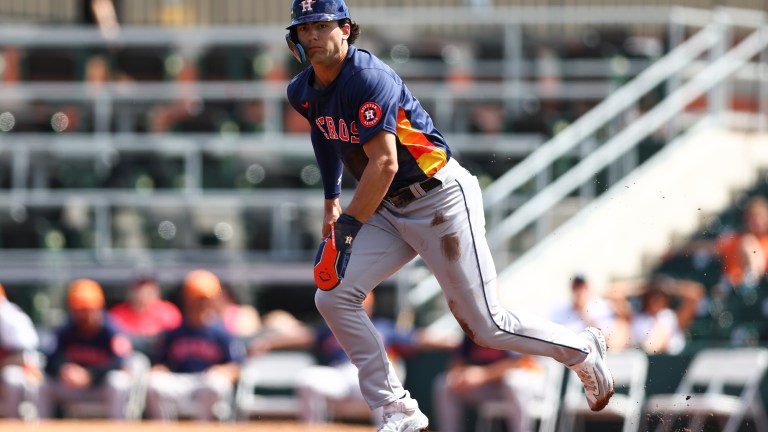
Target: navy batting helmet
{"x":304,"y":11}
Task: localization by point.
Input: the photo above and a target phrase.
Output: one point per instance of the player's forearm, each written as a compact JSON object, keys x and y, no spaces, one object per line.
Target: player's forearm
{"x":331,"y":212}
{"x":371,"y":191}
{"x":377,"y":176}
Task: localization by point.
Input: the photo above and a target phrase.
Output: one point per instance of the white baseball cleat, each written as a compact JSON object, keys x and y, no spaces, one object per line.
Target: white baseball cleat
{"x":593,"y":371}
{"x":403,"y":415}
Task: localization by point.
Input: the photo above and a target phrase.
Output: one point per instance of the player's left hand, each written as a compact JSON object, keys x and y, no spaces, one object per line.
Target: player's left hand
{"x":345,"y":230}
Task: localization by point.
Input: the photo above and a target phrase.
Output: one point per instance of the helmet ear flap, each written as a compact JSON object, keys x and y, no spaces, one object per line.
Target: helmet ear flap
{"x":293,"y":44}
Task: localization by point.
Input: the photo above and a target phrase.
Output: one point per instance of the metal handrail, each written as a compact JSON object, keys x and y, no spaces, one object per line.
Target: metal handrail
{"x":609,"y":108}
{"x":636,"y":131}
{"x":290,"y":144}
{"x":587,"y":125}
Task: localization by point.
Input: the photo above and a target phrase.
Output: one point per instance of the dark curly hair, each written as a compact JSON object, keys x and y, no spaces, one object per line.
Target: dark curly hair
{"x":354,"y":30}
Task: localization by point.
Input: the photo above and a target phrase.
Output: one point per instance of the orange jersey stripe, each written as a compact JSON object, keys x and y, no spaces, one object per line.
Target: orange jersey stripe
{"x":429,"y":157}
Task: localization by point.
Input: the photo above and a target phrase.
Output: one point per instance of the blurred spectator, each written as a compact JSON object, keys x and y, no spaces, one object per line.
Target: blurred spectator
{"x":176,"y":13}
{"x":102,"y":13}
{"x":87,"y":361}
{"x":240,"y":320}
{"x":743,"y":251}
{"x":667,"y":307}
{"x":587,"y":309}
{"x":166,"y":117}
{"x":196,"y":365}
{"x":144,"y":314}
{"x":249,"y":115}
{"x":486,"y":118}
{"x":548,"y":70}
{"x":97,"y":70}
{"x":18,"y":362}
{"x":12,"y":64}
{"x":281,"y":330}
{"x":331,"y":390}
{"x":477,"y":374}
{"x":190,"y":113}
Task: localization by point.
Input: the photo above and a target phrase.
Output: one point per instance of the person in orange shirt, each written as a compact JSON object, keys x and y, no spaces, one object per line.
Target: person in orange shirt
{"x":743,"y":251}
{"x":144,"y":314}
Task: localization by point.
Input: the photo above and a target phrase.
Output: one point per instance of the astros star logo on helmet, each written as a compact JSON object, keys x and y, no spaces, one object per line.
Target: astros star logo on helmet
{"x":306,"y":5}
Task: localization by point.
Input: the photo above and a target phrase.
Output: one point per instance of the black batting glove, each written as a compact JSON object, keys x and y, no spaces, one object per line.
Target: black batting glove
{"x":344,"y":231}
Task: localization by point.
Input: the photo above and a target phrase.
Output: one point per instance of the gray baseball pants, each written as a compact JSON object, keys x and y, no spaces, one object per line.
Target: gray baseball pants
{"x":446,"y":228}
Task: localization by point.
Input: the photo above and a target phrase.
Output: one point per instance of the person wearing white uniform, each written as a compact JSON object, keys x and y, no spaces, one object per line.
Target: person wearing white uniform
{"x":19,"y":342}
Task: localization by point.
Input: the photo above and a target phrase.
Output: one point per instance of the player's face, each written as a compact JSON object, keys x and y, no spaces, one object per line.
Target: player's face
{"x":323,"y":40}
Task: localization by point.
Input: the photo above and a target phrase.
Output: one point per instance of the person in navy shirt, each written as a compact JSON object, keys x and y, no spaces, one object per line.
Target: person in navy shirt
{"x":195,"y":365}
{"x":88,"y":359}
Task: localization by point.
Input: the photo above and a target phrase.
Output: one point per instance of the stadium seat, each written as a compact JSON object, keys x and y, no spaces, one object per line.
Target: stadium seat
{"x":543,"y":407}
{"x":267,"y":383}
{"x":720,"y":382}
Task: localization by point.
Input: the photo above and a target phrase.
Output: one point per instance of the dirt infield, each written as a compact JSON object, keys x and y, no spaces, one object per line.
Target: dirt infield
{"x":184,"y":426}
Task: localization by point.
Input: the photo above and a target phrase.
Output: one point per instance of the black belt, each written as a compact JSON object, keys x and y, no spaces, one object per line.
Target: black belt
{"x":406,"y":195}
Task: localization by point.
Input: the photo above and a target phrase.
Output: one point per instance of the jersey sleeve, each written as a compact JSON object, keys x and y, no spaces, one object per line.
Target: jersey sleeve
{"x":291,"y":94}
{"x":375,"y":96}
{"x":329,"y":163}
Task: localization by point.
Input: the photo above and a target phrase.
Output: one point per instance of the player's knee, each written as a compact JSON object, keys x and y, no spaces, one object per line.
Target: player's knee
{"x":325,"y":301}
{"x":338,"y":301}
{"x":329,"y":301}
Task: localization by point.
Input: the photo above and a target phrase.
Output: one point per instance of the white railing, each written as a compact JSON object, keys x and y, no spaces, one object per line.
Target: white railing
{"x":515,"y":73}
{"x":717,"y":73}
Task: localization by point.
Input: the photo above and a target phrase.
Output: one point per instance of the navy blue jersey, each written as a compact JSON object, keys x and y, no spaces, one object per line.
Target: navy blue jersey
{"x":99,"y":353}
{"x":188,"y":349}
{"x":367,"y":97}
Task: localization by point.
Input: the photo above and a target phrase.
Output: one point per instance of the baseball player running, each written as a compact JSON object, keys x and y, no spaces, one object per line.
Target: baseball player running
{"x":412,"y":198}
